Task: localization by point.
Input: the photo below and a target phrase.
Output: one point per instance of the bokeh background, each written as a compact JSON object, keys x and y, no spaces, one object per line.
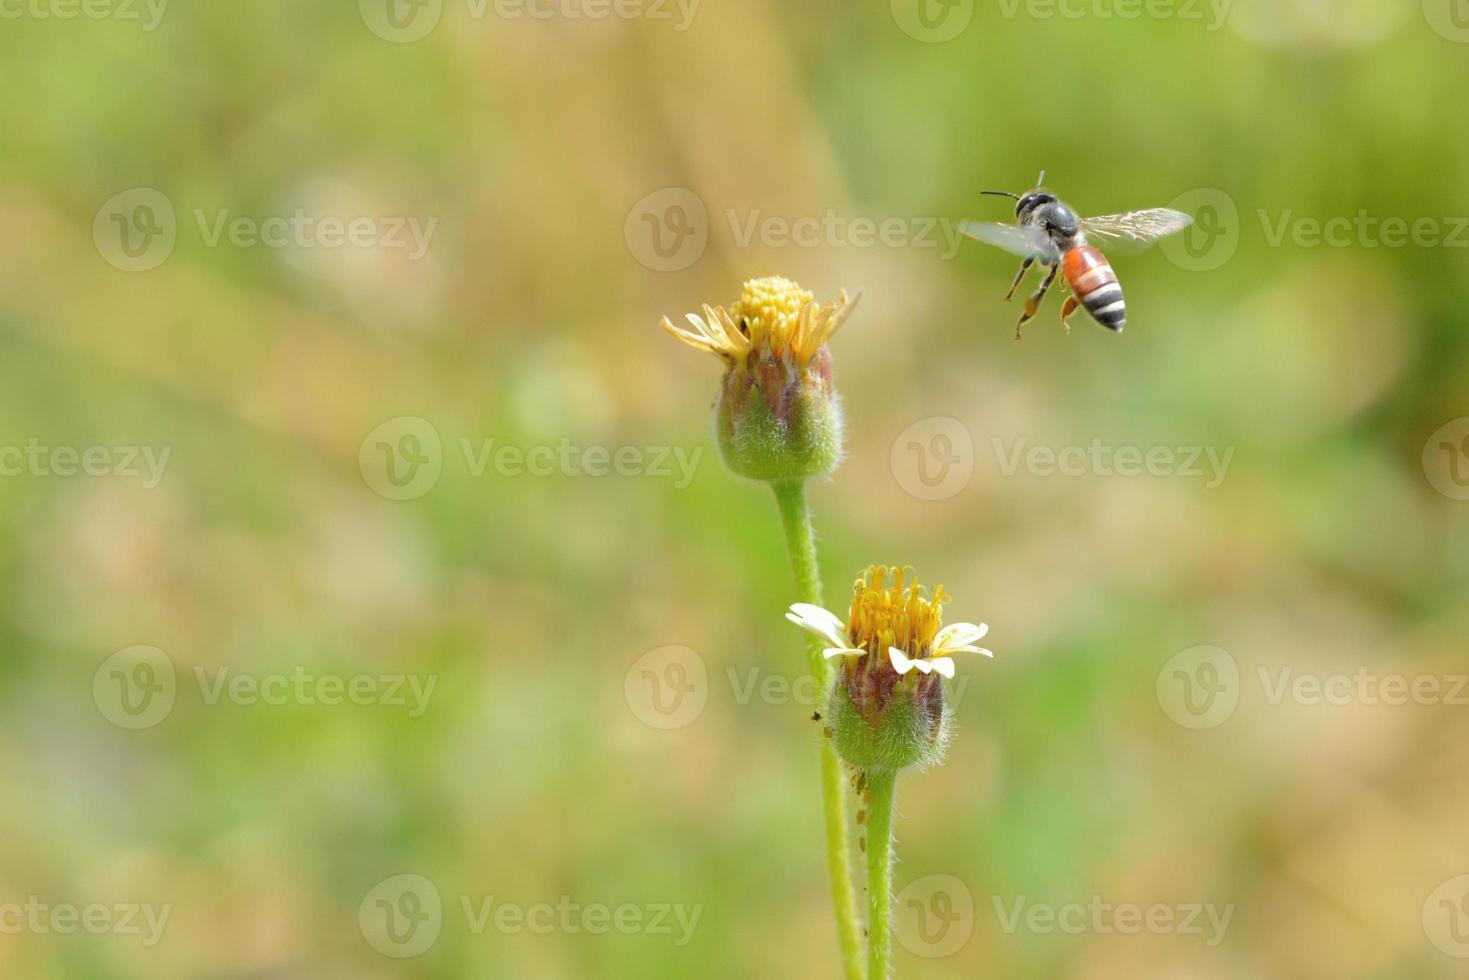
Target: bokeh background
{"x":331,"y":510}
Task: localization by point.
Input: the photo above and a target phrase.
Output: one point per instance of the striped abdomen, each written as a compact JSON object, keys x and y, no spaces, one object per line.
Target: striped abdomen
{"x":1095,"y":284}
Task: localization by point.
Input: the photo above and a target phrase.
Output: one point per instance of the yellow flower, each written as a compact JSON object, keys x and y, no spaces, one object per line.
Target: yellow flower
{"x":777,"y":415}
{"x":774,"y":319}
{"x":893,"y":621}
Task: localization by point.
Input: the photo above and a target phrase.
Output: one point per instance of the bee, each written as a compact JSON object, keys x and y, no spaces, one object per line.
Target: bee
{"x":1048,"y":231}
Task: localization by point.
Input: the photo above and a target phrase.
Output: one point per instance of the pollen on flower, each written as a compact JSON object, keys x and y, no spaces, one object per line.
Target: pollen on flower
{"x":890,"y":611}
{"x":774,"y":319}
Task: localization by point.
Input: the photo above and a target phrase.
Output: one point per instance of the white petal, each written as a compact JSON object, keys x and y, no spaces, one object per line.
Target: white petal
{"x":900,"y":660}
{"x":987,"y":653}
{"x":959,"y":635}
{"x":821,"y":622}
{"x":944,"y":666}
{"x":830,"y":652}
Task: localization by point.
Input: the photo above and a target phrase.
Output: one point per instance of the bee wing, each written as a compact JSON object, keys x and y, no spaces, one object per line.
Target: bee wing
{"x":1137,"y":229}
{"x":1024,"y":240}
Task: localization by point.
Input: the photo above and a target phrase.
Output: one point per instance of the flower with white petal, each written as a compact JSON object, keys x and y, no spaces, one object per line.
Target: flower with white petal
{"x":887,"y":709}
{"x":892,"y":622}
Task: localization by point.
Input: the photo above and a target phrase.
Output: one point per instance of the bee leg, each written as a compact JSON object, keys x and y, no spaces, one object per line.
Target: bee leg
{"x":1024,"y":268}
{"x":1033,"y":301}
{"x":1069,"y":308}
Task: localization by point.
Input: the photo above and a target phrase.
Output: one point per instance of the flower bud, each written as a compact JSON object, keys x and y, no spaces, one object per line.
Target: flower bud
{"x":777,"y":417}
{"x":884,"y":723}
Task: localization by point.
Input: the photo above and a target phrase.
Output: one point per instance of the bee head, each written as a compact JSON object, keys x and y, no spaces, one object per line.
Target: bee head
{"x":1026,"y":203}
{"x":1037,"y":198}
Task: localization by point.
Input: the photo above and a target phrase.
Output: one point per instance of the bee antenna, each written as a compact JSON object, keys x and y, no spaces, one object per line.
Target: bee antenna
{"x":1002,"y":194}
{"x":1041,"y":179}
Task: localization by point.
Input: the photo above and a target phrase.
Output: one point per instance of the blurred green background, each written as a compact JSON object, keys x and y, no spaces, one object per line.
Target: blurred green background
{"x":583,"y":177}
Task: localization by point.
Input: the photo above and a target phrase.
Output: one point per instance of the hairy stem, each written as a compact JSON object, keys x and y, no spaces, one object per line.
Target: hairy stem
{"x":795,"y":517}
{"x":880,"y":786}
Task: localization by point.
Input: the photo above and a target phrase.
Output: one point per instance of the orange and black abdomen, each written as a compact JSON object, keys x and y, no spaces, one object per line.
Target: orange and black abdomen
{"x":1095,"y":284}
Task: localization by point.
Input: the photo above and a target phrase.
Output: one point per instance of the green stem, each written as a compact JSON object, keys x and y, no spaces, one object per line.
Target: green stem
{"x":880,"y":786}
{"x":795,"y":517}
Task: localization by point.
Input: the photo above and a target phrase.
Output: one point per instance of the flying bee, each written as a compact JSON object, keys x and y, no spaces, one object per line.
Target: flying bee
{"x":1049,"y":232}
